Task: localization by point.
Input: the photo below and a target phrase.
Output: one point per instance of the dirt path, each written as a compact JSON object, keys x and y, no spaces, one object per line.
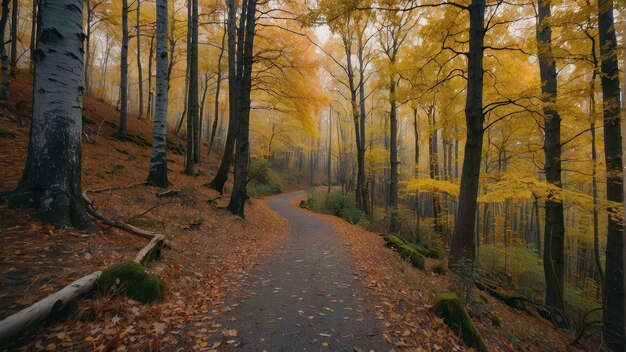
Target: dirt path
{"x":306,"y":297}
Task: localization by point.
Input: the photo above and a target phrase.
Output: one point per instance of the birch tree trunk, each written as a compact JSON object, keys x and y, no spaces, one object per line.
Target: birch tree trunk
{"x":464,"y":239}
{"x":614,"y":307}
{"x":553,"y":255}
{"x":158,"y":163}
{"x":139,"y":68}
{"x":51,"y":181}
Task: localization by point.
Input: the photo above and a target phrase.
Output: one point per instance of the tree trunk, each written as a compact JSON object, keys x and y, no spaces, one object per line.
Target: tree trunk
{"x":51,"y":180}
{"x":158,"y":163}
{"x":150,"y":111}
{"x":4,"y":90}
{"x":14,"y":28}
{"x":416,"y":134}
{"x":242,"y":157}
{"x":553,"y":255}
{"x":218,"y":86}
{"x":33,"y":35}
{"x":185,"y":113}
{"x":227,"y":158}
{"x":614,"y":307}
{"x":394,"y":224}
{"x":362,"y":178}
{"x":139,"y":69}
{"x":88,"y":49}
{"x":121,"y":132}
{"x":192,"y":116}
{"x":464,"y":239}
{"x":106,"y":64}
{"x":330,"y":148}
{"x":594,"y":160}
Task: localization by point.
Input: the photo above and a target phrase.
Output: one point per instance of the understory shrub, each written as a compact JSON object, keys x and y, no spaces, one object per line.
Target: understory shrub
{"x":263,"y":180}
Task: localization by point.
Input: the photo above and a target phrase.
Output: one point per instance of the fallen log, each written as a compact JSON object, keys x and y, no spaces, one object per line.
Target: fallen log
{"x":91,"y":209}
{"x":30,"y":316}
{"x":118,"y":188}
{"x":39,"y":311}
{"x":151,"y":251}
{"x":170,"y":193}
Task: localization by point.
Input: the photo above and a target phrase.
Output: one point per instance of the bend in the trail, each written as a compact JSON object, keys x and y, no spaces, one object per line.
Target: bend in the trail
{"x":306,"y":297}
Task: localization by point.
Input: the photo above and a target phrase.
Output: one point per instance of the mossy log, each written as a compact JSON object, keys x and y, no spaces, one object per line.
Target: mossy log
{"x":405,"y":250}
{"x":132,"y":279}
{"x":448,"y":306}
{"x":396,"y":241}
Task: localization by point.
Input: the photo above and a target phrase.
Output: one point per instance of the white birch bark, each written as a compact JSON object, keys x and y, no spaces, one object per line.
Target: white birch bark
{"x":53,"y":168}
{"x":158,"y":164}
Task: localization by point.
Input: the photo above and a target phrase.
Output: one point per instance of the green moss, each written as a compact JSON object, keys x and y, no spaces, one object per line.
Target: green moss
{"x":448,"y":307}
{"x":142,"y":223}
{"x":414,"y":257}
{"x":132,"y":279}
{"x":406,"y":250}
{"x":419,"y":249}
{"x":435,"y":253}
{"x":394,"y":241}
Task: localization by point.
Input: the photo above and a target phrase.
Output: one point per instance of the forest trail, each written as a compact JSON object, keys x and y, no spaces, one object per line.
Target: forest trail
{"x":306,"y":297}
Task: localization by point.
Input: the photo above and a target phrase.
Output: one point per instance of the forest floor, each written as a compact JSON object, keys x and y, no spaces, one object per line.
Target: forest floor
{"x":217,"y":263}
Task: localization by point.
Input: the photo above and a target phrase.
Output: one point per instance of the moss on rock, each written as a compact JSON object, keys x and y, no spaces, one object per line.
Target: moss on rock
{"x":448,"y":307}
{"x":134,"y":280}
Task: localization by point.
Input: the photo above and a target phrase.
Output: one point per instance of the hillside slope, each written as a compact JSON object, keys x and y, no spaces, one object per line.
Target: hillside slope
{"x":211,"y":249}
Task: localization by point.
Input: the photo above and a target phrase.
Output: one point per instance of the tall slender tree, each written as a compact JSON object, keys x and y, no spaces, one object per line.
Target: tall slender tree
{"x":192,"y":116}
{"x":614,"y":303}
{"x":554,"y":240}
{"x":122,"y":130}
{"x":229,"y":146}
{"x":14,"y":28}
{"x":218,"y":86}
{"x":245,"y":53}
{"x":33,"y":34}
{"x":51,"y":181}
{"x":139,"y":68}
{"x":158,"y":164}
{"x":4,"y":89}
{"x":464,"y":238}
